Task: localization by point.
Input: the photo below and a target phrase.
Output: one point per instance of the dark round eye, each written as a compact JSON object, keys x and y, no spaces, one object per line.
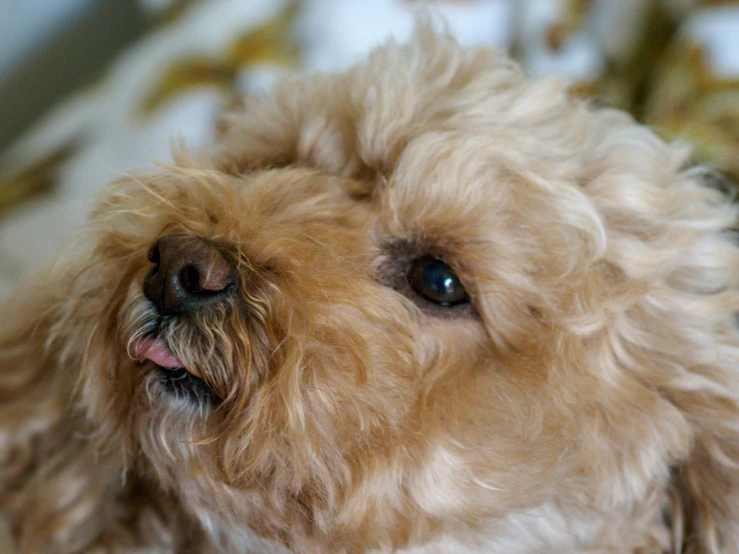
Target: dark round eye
{"x":435,"y":281}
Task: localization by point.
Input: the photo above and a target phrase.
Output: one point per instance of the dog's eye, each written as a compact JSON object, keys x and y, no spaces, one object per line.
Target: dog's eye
{"x":435,"y":281}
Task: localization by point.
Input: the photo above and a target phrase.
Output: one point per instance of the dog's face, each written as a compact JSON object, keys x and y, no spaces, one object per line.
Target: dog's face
{"x":391,"y":302}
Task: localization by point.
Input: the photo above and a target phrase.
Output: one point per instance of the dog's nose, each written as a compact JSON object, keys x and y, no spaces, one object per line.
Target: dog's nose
{"x":188,"y":273}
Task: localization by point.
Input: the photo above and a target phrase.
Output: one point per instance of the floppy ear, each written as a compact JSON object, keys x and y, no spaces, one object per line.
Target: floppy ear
{"x":46,"y":482}
{"x":704,"y":492}
{"x":29,"y":403}
{"x":57,"y":489}
{"x":692,"y":344}
{"x":671,"y":328}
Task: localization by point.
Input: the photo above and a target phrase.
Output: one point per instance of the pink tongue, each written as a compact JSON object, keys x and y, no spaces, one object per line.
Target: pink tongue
{"x":155,"y":351}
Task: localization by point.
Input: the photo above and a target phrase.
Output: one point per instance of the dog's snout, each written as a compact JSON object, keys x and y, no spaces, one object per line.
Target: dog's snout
{"x":188,"y":273}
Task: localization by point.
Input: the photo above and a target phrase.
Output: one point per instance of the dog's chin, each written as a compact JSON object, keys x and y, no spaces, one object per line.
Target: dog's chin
{"x":180,"y":383}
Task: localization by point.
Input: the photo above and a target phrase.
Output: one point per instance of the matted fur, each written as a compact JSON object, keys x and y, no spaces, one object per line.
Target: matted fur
{"x":588,"y":401}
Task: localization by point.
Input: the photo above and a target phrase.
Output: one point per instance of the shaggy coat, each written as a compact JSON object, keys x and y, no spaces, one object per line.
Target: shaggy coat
{"x":584,"y":400}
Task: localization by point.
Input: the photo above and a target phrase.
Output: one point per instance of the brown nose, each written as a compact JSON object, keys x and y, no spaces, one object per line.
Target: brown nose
{"x":188,"y":274}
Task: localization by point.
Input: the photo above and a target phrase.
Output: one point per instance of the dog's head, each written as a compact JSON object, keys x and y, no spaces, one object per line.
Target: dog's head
{"x":423,"y":294}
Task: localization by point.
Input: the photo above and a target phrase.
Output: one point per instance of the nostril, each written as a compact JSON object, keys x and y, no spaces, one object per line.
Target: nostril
{"x":190,"y":279}
{"x":153,"y":255}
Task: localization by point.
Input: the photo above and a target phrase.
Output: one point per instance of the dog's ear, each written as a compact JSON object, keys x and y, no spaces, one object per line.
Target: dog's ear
{"x":702,"y":289}
{"x":53,"y":483}
{"x":33,"y":394}
{"x":665,"y":336}
{"x":673,"y":254}
{"x":29,"y":405}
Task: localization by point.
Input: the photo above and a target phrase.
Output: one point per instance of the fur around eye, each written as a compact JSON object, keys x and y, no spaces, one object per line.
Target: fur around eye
{"x":436,"y":282}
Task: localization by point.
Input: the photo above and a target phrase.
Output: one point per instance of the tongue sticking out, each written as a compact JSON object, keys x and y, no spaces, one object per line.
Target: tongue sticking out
{"x":155,"y":351}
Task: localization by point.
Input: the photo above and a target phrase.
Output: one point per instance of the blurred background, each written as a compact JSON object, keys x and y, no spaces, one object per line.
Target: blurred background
{"x":92,"y":89}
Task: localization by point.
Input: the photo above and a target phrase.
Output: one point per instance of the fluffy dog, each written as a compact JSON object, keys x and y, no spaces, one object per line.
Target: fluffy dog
{"x":425,"y":305}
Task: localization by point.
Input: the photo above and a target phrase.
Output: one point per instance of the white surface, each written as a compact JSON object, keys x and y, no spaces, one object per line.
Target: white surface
{"x":717,"y":30}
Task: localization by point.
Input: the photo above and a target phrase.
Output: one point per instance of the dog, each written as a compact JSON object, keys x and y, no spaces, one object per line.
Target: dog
{"x":424,"y":305}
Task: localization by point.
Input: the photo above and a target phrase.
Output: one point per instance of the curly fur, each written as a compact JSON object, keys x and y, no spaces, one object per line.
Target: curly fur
{"x":587,"y":401}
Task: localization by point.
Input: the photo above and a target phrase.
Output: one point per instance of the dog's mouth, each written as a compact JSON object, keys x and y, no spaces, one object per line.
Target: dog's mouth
{"x":172,"y":372}
{"x":155,"y":350}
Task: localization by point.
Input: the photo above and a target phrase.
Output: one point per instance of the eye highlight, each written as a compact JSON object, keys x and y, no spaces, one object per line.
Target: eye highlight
{"x":435,"y":281}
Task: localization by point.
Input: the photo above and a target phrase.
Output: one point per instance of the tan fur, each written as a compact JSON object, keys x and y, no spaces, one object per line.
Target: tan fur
{"x":588,"y":402}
